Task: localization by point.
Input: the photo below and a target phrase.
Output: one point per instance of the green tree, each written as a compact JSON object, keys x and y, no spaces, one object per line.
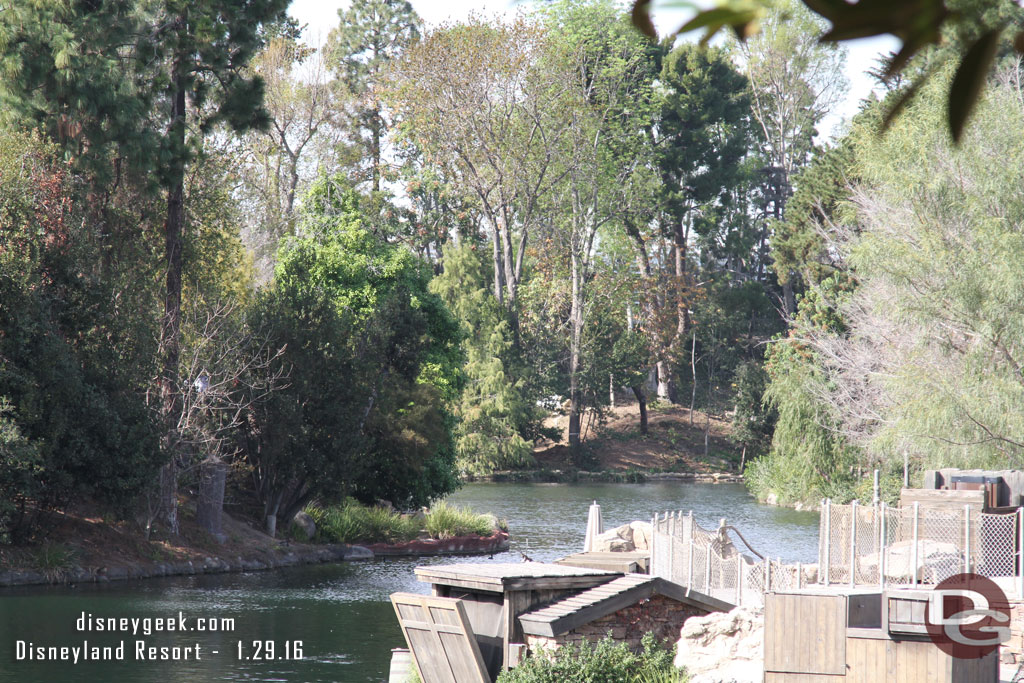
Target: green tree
{"x":794,"y":80}
{"x":74,"y":422}
{"x":704,"y":135}
{"x":373,"y":360}
{"x":493,"y":413}
{"x":68,"y":69}
{"x":606,"y":157}
{"x":370,"y":34}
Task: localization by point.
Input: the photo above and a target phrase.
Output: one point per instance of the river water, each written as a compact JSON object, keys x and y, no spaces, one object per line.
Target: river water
{"x":338,"y":616}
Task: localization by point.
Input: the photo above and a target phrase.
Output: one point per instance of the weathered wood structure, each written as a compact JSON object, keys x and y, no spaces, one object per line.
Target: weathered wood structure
{"x":494,"y":595}
{"x":506,"y":607}
{"x":819,"y":636}
{"x":1003,"y":489}
{"x":440,"y":638}
{"x":627,"y":607}
{"x":634,"y":562}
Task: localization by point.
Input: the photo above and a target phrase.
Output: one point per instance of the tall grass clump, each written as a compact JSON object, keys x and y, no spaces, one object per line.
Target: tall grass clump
{"x":351,"y":522}
{"x":447,"y":521}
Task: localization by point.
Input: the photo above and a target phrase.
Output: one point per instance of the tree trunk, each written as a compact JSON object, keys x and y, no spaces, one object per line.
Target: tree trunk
{"x":575,"y":352}
{"x":611,"y":390}
{"x":665,"y":389}
{"x":376,"y":125}
{"x":499,"y":291}
{"x":788,"y":298}
{"x":693,"y":370}
{"x":210,"y":506}
{"x":641,"y":400}
{"x":270,"y":515}
{"x":170,"y":328}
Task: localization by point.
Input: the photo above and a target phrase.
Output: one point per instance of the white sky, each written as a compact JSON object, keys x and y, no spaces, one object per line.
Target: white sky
{"x":321,"y":16}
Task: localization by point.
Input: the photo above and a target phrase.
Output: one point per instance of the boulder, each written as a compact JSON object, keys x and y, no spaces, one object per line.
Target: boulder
{"x":617,"y":540}
{"x":723,"y":647}
{"x":642,"y":535}
{"x":305,"y":524}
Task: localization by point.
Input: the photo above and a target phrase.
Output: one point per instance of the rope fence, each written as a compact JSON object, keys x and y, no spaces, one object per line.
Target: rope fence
{"x":708,"y":562}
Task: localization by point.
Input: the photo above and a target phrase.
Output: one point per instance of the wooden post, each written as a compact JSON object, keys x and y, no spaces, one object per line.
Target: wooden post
{"x":767,"y":575}
{"x":1020,"y":553}
{"x":689,"y":578}
{"x":853,"y":543}
{"x":654,"y":542}
{"x":799,"y":576}
{"x":913,"y":550}
{"x":672,"y":543}
{"x":906,"y":470}
{"x":881,"y":546}
{"x":826,"y":566}
{"x":874,"y":499}
{"x":967,"y":538}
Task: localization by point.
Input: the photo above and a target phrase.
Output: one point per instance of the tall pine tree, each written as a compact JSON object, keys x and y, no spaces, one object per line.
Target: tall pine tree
{"x":369,"y":35}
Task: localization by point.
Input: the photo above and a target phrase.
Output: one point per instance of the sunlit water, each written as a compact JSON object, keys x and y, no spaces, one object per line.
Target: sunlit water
{"x":341,"y":613}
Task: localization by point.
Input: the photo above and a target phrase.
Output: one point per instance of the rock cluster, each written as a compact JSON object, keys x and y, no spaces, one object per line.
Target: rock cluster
{"x":624,"y":539}
{"x":723,"y":647}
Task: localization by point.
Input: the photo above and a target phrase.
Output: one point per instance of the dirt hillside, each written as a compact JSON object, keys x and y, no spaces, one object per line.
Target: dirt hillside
{"x":675,"y":441}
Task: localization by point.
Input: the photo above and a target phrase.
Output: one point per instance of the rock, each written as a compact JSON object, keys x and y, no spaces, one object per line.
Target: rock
{"x":617,"y":540}
{"x":358,"y":552}
{"x":642,"y":535}
{"x":305,"y":524}
{"x":723,"y":647}
{"x":771,"y":499}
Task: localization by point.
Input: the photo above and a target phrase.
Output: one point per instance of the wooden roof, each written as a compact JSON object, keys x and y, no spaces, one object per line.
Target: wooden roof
{"x":572,"y":612}
{"x":510,"y":576}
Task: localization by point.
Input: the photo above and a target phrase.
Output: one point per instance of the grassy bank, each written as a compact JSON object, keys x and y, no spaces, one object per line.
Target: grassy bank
{"x":351,"y":522}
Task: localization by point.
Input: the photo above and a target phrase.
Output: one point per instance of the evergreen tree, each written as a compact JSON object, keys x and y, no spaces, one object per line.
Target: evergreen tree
{"x":492,"y":411}
{"x":369,"y":34}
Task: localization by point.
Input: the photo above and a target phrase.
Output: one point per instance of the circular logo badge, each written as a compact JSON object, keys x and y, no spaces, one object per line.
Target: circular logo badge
{"x":967,"y":616}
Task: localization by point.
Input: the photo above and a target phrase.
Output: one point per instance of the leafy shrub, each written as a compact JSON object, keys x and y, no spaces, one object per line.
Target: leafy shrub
{"x":352,"y":522}
{"x":606,"y":662}
{"x":447,"y":521}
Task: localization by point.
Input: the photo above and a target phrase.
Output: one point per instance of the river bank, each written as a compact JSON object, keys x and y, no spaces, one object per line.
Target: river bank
{"x":569,"y":476}
{"x":81,"y":549}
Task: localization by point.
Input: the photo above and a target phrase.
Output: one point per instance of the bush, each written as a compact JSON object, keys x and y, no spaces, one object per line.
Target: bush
{"x":606,"y":662}
{"x":352,"y":522}
{"x":448,"y":521}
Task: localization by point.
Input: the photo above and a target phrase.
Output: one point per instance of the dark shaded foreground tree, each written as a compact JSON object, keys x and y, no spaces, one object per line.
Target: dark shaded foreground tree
{"x":74,"y":424}
{"x":150,"y":74}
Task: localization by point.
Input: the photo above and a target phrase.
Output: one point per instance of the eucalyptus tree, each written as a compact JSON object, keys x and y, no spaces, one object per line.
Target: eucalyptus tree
{"x":703,"y":137}
{"x":481,"y":104}
{"x":303,"y":101}
{"x":795,"y":81}
{"x":606,"y":154}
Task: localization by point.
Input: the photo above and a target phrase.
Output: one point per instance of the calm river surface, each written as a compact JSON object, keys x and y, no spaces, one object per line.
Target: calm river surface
{"x":341,"y":613}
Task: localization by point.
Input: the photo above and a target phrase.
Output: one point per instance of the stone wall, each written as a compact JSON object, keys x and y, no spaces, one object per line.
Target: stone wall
{"x":658,"y":614}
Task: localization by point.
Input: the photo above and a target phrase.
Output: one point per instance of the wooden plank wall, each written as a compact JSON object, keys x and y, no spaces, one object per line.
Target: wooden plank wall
{"x":805,"y":634}
{"x":441,"y":641}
